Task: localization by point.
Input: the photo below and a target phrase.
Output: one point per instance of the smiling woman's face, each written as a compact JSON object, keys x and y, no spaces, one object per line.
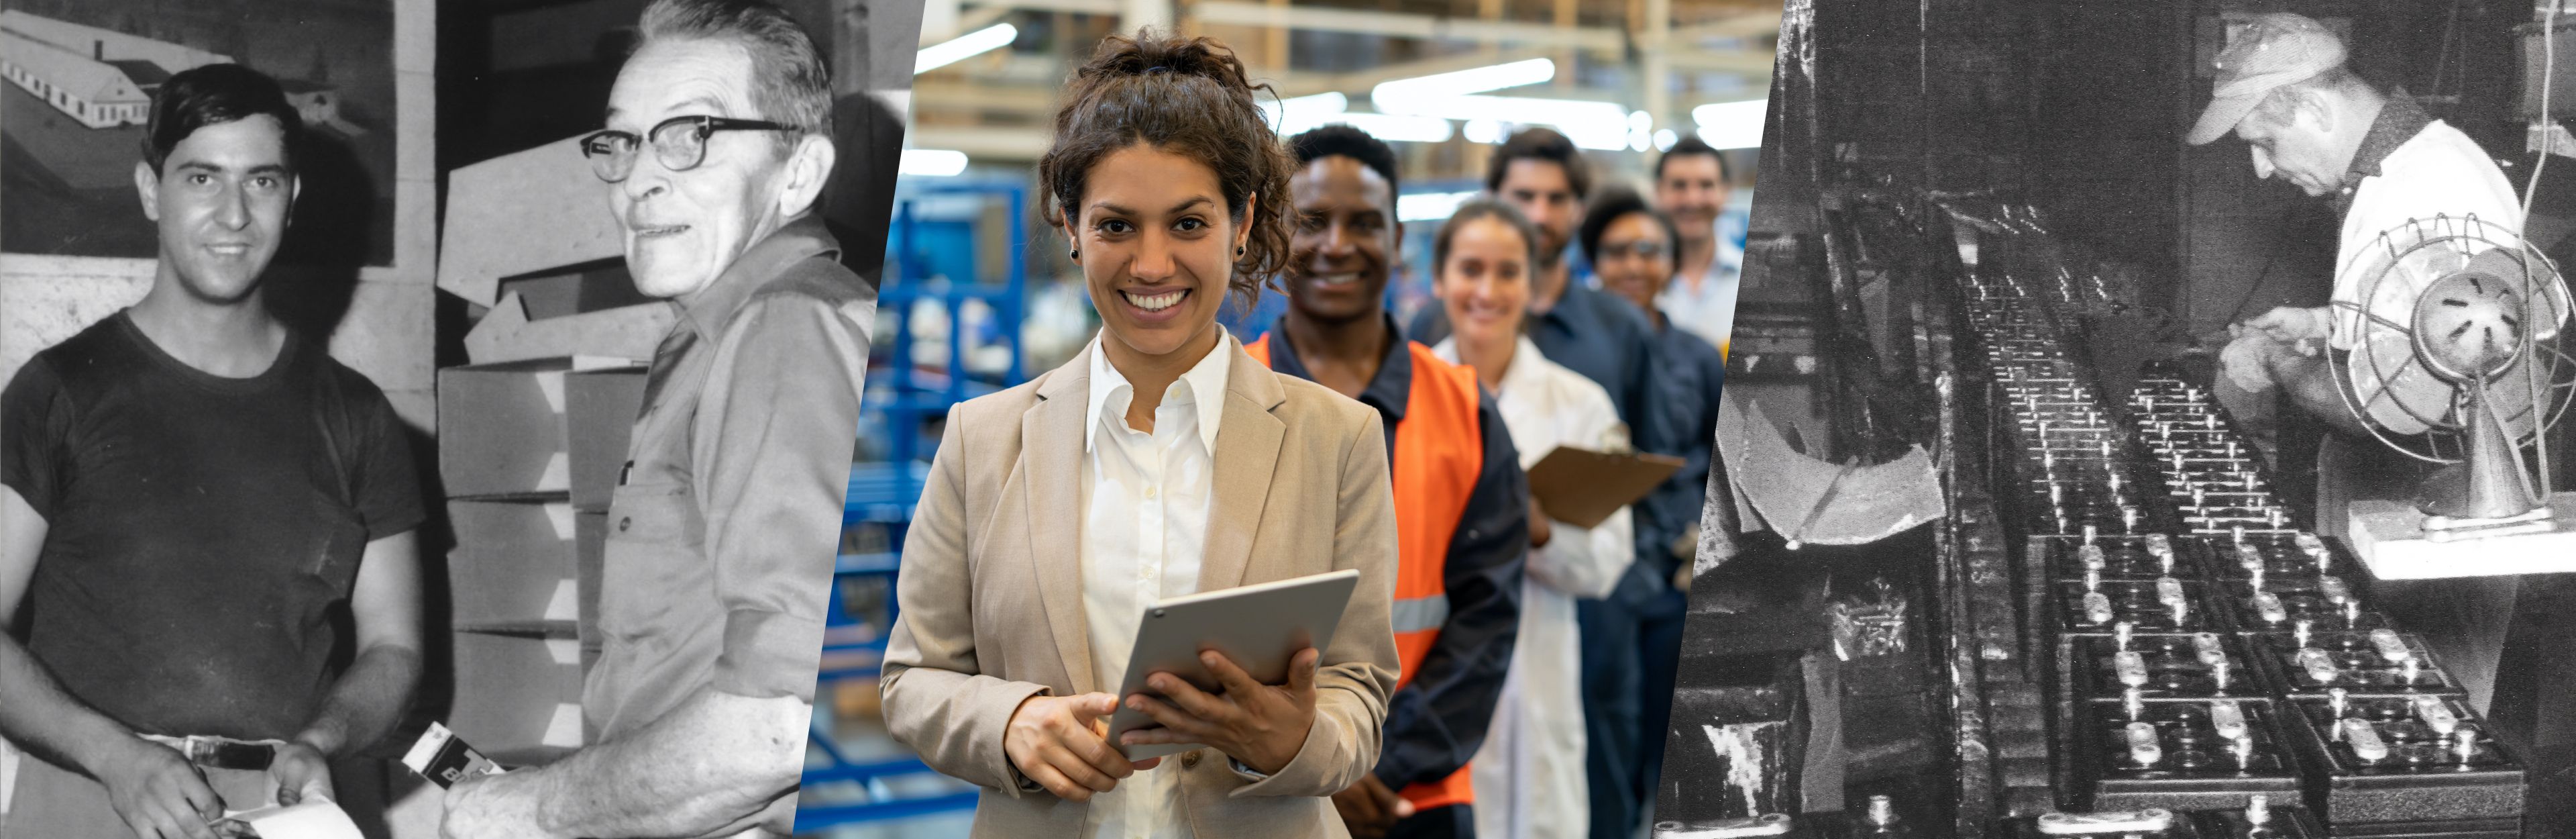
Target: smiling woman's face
{"x":1484,"y":282}
{"x":1157,"y":253}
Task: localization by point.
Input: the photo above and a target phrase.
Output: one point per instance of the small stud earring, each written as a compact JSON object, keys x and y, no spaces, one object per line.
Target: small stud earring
{"x":1075,"y":255}
{"x":1238,"y":250}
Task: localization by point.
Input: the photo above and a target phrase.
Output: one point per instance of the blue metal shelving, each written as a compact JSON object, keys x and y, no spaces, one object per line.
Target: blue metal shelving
{"x":901,"y":397}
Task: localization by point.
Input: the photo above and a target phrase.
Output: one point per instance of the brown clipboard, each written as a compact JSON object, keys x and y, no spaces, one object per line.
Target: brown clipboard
{"x":1581,"y":486}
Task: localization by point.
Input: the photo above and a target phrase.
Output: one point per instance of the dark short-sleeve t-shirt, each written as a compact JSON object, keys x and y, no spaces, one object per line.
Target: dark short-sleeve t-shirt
{"x":202,"y":533}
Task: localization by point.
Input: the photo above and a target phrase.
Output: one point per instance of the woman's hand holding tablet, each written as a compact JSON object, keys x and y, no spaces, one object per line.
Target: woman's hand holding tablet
{"x":1056,"y":742}
{"x":1261,"y":726}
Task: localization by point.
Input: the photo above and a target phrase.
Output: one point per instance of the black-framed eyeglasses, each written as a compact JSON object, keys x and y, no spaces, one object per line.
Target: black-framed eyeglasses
{"x":1639,"y":249}
{"x":680,"y":143}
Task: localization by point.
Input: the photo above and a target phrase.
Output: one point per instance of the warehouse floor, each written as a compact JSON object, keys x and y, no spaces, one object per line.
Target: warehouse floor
{"x":861,"y":734}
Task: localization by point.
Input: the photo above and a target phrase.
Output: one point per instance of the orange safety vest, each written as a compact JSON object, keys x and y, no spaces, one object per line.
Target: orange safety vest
{"x":1439,"y":454}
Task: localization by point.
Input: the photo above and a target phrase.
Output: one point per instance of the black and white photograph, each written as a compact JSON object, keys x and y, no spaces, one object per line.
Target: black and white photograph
{"x":2145,"y":420}
{"x":84,"y":74}
{"x":430,"y":419}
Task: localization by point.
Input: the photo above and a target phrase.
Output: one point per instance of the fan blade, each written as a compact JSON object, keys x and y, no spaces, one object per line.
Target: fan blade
{"x":2394,"y":389}
{"x":2512,"y":396}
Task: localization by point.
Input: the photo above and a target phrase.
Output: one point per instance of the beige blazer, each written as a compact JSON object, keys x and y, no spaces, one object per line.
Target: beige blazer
{"x":992,"y":608}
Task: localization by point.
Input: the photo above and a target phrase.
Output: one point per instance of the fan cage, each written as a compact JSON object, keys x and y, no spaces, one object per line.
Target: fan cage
{"x":2551,"y":371}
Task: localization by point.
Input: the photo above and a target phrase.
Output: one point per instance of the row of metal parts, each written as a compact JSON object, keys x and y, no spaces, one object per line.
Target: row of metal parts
{"x":2259,"y":819}
{"x":2206,"y":651}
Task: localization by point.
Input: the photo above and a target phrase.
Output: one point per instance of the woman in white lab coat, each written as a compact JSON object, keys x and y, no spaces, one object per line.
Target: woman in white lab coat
{"x":1529,"y":776}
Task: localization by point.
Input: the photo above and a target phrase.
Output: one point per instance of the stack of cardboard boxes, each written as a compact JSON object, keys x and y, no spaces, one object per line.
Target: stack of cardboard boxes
{"x":532,"y":440}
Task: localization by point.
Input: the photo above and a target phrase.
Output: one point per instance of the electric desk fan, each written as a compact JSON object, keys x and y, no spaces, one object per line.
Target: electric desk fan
{"x":2454,"y":360}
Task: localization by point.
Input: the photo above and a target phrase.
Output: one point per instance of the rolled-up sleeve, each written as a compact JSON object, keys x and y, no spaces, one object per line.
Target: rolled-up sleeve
{"x":34,"y":417}
{"x":776,"y":428}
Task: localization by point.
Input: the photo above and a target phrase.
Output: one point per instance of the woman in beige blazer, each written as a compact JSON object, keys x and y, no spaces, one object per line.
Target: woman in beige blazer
{"x":1159,"y":462}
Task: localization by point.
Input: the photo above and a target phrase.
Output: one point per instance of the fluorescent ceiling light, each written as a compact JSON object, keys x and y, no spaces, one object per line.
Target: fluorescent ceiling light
{"x":1461,"y":82}
{"x":1298,"y":115}
{"x":935,"y":163}
{"x":1399,"y":129}
{"x":1517,"y":109}
{"x":1732,"y":136}
{"x":1585,"y":122}
{"x":1285,"y":114}
{"x":1732,"y":125}
{"x":1429,"y":206}
{"x":965,"y":46}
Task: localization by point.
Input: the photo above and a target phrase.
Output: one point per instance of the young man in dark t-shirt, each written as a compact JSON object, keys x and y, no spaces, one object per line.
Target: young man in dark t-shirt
{"x":193,"y":503}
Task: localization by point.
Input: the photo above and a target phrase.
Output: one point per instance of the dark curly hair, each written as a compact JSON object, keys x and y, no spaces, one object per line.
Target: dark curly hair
{"x":1186,"y":96}
{"x":1346,"y":141}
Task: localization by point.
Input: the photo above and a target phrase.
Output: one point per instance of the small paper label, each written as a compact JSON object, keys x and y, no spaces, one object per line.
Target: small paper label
{"x":444,"y":759}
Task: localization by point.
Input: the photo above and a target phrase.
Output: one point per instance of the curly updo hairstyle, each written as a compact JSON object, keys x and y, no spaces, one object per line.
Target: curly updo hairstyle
{"x":1184,"y":96}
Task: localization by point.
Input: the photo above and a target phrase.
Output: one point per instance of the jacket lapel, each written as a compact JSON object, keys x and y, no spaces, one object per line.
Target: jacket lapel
{"x":1247,"y":453}
{"x":1052,"y":434}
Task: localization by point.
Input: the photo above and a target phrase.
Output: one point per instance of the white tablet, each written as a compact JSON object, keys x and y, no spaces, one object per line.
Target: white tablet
{"x":1260,"y":627}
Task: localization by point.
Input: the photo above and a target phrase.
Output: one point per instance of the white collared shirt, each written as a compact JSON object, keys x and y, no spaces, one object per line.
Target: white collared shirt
{"x":1705,"y":305}
{"x":1529,"y":774}
{"x":2439,"y":171}
{"x":1145,"y":499}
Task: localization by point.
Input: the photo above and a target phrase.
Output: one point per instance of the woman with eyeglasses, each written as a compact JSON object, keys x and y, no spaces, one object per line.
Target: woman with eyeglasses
{"x":1531,"y":768}
{"x":1161,"y":461}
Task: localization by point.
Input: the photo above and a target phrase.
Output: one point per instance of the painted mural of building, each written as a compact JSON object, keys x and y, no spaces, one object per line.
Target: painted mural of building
{"x":96,"y":93}
{"x":101,"y":77}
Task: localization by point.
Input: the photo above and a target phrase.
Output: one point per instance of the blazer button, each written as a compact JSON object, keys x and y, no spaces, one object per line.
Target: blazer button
{"x":624,"y":523}
{"x":1190,"y":760}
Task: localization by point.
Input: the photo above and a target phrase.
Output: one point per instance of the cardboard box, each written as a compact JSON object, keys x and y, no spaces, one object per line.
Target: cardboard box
{"x":527,"y":566}
{"x":510,"y":333}
{"x":600,"y":410}
{"x":518,"y":698}
{"x":535,"y":210}
{"x":588,"y":287}
{"x":501,"y":428}
{"x":590,"y":556}
{"x":509,"y":428}
{"x":516,"y":563}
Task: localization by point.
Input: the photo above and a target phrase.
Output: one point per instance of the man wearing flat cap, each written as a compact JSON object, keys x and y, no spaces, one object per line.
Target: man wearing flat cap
{"x":2283,"y":89}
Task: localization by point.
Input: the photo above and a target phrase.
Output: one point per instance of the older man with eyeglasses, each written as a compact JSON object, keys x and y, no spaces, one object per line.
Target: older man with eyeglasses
{"x":725,"y":523}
